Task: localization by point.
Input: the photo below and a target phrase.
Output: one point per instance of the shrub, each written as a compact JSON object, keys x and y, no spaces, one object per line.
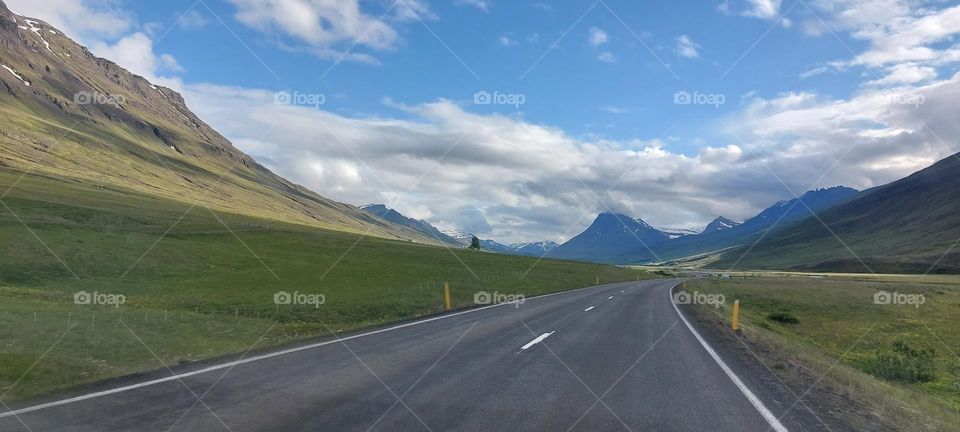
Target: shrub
{"x":904,"y":363}
{"x":783,"y":317}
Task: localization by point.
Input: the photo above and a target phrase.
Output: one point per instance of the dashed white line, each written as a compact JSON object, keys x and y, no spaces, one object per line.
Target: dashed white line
{"x":608,"y":298}
{"x":536,"y":341}
{"x":588,"y":309}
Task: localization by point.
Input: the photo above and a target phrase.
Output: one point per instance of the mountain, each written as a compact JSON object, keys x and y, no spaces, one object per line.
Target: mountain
{"x":720,"y":224}
{"x":536,"y":249}
{"x":796,"y":208}
{"x":73,"y":117}
{"x":390,"y":215}
{"x":780,"y":214}
{"x":493,"y":246}
{"x":910,"y":225}
{"x":675,"y":233}
{"x":610,"y":238}
{"x":460,"y":237}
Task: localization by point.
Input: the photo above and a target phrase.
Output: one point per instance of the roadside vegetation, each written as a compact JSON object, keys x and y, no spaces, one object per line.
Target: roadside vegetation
{"x":197,"y":284}
{"x":886,"y":345}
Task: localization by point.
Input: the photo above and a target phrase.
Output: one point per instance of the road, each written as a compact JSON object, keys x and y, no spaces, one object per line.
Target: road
{"x":607,"y":358}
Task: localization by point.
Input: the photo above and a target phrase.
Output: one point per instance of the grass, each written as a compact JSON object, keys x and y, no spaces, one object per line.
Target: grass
{"x":899,"y":360}
{"x":199,"y":283}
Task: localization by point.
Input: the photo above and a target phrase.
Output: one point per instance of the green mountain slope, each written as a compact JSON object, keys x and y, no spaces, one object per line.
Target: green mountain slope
{"x":74,"y":117}
{"x":905,"y":226}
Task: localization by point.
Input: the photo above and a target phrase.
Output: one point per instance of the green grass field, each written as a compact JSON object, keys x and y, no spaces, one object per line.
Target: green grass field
{"x":842,"y":335}
{"x":195,"y":287}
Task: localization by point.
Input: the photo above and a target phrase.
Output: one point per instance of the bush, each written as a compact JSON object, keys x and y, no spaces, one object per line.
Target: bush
{"x":904,"y":363}
{"x":783,"y":317}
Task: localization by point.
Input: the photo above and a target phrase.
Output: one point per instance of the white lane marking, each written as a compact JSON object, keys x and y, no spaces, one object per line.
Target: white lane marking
{"x":757,"y":403}
{"x":257,"y":358}
{"x":623,"y":291}
{"x":588,"y":309}
{"x":608,"y":298}
{"x":536,"y":341}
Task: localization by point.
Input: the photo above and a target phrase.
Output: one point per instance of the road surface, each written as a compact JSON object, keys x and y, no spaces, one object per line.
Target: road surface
{"x":610,"y":358}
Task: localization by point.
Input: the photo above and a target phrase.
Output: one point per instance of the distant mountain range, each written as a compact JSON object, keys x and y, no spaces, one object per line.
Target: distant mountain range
{"x":611,"y":237}
{"x":617,"y":238}
{"x":393,"y":216}
{"x":909,"y":226}
{"x":720,"y":224}
{"x":457,"y":238}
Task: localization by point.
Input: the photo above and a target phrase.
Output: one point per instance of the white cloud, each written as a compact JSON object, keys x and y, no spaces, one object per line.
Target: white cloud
{"x":687,"y":48}
{"x":820,"y":70}
{"x":506,"y":40}
{"x":764,"y":9}
{"x":135,"y":53}
{"x":905,"y":73}
{"x":597,"y":37}
{"x":607,"y":57}
{"x":613,"y":109}
{"x":531,"y":181}
{"x":479,"y":4}
{"x":82,"y":20}
{"x":192,"y":20}
{"x":325,"y":25}
{"x":543,"y":6}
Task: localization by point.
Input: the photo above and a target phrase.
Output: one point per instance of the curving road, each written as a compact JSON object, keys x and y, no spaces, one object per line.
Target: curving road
{"x":607,"y":358}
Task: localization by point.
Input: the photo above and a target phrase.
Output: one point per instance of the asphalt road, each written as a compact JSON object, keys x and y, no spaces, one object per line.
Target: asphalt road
{"x":608,"y":358}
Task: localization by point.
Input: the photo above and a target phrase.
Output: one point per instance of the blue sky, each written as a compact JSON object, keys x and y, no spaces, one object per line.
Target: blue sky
{"x":507,"y":48}
{"x":675,"y":112}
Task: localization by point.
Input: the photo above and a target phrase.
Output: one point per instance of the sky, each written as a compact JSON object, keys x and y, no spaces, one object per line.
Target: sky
{"x":521,"y":120}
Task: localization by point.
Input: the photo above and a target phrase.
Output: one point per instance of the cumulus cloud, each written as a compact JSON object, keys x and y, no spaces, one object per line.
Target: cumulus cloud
{"x":479,"y":4}
{"x":904,"y":39}
{"x":597,"y":37}
{"x":533,"y":181}
{"x":192,"y":20}
{"x":135,"y":53}
{"x":108,"y":32}
{"x":687,"y":48}
{"x":84,"y":20}
{"x":324,"y":25}
{"x":607,"y":57}
{"x":506,"y":40}
{"x":764,"y":9}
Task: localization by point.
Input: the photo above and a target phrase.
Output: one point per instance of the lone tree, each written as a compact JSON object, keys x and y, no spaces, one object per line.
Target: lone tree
{"x":475,"y":243}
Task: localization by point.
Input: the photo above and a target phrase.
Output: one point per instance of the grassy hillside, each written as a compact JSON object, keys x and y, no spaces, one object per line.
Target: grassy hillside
{"x":879,"y":364}
{"x":78,"y":117}
{"x":207,"y":288}
{"x":906,"y":226}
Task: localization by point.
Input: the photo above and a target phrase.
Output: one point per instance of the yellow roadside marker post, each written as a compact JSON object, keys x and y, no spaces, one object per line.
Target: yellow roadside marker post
{"x":446,"y":296}
{"x":736,"y":316}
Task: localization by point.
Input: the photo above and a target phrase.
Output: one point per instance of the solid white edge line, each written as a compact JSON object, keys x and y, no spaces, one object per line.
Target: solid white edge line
{"x":588,"y":309}
{"x":537,"y":340}
{"x":264,"y":357}
{"x":757,"y":403}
